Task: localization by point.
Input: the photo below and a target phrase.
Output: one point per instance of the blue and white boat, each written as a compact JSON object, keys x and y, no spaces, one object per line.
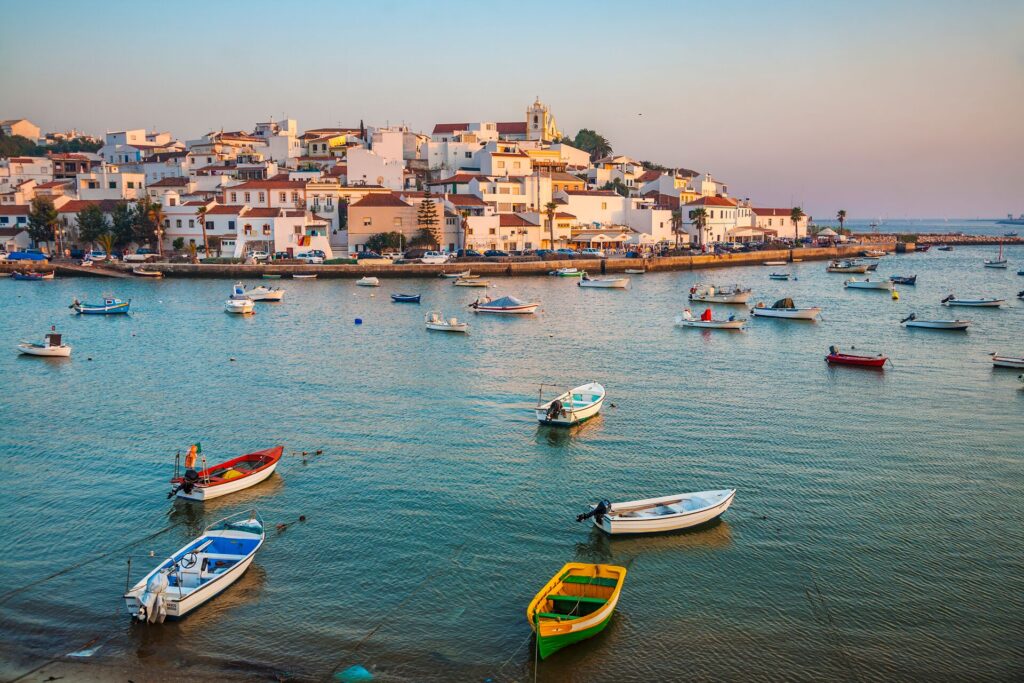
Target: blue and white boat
{"x":199,"y":571}
{"x":109,"y":306}
{"x":406,"y":298}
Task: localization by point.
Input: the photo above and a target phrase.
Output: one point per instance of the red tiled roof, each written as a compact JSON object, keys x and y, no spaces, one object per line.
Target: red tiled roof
{"x":224,"y":209}
{"x":592,"y":193}
{"x":13,"y":232}
{"x":648,"y":176}
{"x":440,"y":128}
{"x":511,"y":220}
{"x":563,"y":214}
{"x":773,"y":212}
{"x":512,"y":128}
{"x":263,"y":212}
{"x":26,"y":160}
{"x":508,"y":154}
{"x":195,"y":203}
{"x":55,"y":183}
{"x":60,"y":156}
{"x":381,"y":199}
{"x":465,"y":200}
{"x":458,"y":178}
{"x":173,"y":181}
{"x":14,"y":209}
{"x":715,"y":201}
{"x":167,"y":156}
{"x":76,"y":205}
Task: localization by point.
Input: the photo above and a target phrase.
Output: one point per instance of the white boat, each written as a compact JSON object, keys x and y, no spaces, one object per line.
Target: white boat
{"x":52,"y":347}
{"x":874,"y":253}
{"x":854,"y":283}
{"x":912,"y":321}
{"x":239,"y":302}
{"x":634,"y":271}
{"x":999,"y":262}
{"x":197,"y":572}
{"x":981,"y":303}
{"x":687,"y":319}
{"x":263,"y":293}
{"x":368,"y":281}
{"x":571,"y":407}
{"x":605,"y":283}
{"x":652,"y":515}
{"x":471,"y":282}
{"x":141,"y":271}
{"x":566,"y":272}
{"x":303,"y":276}
{"x":226,"y":477}
{"x":506,"y":304}
{"x":720,"y":295}
{"x":774,"y":263}
{"x":463,"y":275}
{"x":779,"y":276}
{"x":843,"y":266}
{"x":784,"y":308}
{"x":1007,"y":361}
{"x":436,"y":321}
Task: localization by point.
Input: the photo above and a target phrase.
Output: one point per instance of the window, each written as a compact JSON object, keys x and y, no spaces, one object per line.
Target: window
{"x":113,"y":184}
{"x":248,"y":229}
{"x":234,"y":197}
{"x":246,"y":197}
{"x":93,"y":184}
{"x":173,"y":201}
{"x":284,"y":196}
{"x":167,"y":222}
{"x":3,"y":220}
{"x":604,"y":205}
{"x":177,"y":223}
{"x":501,"y":164}
{"x":191,"y":223}
{"x":298,"y":229}
{"x":22,"y":219}
{"x":367,"y":222}
{"x":469,"y":155}
{"x":131,"y":184}
{"x":209,"y":225}
{"x":261,"y":197}
{"x":469,"y":231}
{"x":295,"y":196}
{"x":515,"y":164}
{"x":397,"y":222}
{"x":266,"y":228}
{"x":231,"y":225}
{"x":493,"y":231}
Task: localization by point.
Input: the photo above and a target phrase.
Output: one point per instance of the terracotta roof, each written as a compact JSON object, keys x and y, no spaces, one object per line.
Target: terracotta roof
{"x":173,"y":181}
{"x":509,"y":154}
{"x":76,"y":205}
{"x":449,"y":127}
{"x":563,"y":214}
{"x":167,"y":156}
{"x":224,"y":209}
{"x":773,"y":212}
{"x":12,"y":232}
{"x":195,"y":203}
{"x":381,"y":199}
{"x":55,"y":183}
{"x":512,"y":128}
{"x":70,"y":156}
{"x":14,"y":209}
{"x":458,"y":178}
{"x":26,"y":160}
{"x":561,"y":175}
{"x":648,"y":176}
{"x":263,"y":212}
{"x":714,"y":201}
{"x":511,"y":220}
{"x":592,"y":193}
{"x":465,"y":200}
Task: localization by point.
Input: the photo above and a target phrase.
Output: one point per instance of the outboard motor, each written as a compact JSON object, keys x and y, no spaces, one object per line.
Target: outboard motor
{"x":554,"y":410}
{"x":188,"y":482}
{"x":598,"y":513}
{"x":833,"y":350}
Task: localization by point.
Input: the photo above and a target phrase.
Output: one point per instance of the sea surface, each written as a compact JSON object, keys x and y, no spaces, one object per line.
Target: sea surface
{"x":969,"y":226}
{"x":877,"y":533}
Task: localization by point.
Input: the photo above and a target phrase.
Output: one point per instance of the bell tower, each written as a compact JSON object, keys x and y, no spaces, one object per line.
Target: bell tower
{"x":540,"y":124}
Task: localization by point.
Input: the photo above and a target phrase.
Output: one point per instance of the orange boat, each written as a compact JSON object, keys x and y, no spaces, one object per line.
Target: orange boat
{"x":227,"y":477}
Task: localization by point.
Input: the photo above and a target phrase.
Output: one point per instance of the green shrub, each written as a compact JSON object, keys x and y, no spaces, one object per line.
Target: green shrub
{"x":340,"y":262}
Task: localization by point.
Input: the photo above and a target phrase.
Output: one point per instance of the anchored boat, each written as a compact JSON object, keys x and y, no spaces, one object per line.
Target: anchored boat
{"x":720,"y":295}
{"x":571,"y":407}
{"x":239,"y":302}
{"x":227,"y":477}
{"x":687,"y":319}
{"x":903,"y":280}
{"x":604,"y":283}
{"x":846,"y":267}
{"x":576,"y":604}
{"x":52,"y":346}
{"x":31,"y":276}
{"x":835,"y":357}
{"x":951,"y":300}
{"x":109,"y":306}
{"x":999,"y":262}
{"x":566,"y":272}
{"x":464,"y":274}
{"x":143,"y":272}
{"x":1007,"y":361}
{"x":912,"y":321}
{"x":302,"y":276}
{"x":471,"y":282}
{"x":436,"y":321}
{"x":406,"y":298}
{"x":263,"y":293}
{"x":368,"y":281}
{"x":506,"y":304}
{"x":784,"y":308}
{"x":652,"y":515}
{"x":854,"y":283}
{"x":779,"y":276}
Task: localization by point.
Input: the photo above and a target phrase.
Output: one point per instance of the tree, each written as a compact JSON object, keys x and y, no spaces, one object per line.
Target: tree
{"x":617,"y":186}
{"x":699,"y":218}
{"x":842,"y":219}
{"x":178,"y":243}
{"x":15,"y":146}
{"x":143,"y":229}
{"x":201,"y":217}
{"x":795,"y":214}
{"x":214,"y":244}
{"x":593,"y":142}
{"x":155,"y":213}
{"x":106,"y":242}
{"x":92,"y":223}
{"x":422,"y":238}
{"x":385,"y":240}
{"x":42,"y":220}
{"x":677,"y":224}
{"x":122,"y":220}
{"x":464,"y":215}
{"x":549,"y":210}
{"x":426,"y":217}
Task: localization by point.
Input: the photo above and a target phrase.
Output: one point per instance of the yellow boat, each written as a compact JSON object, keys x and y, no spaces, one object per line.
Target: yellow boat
{"x":577,"y":603}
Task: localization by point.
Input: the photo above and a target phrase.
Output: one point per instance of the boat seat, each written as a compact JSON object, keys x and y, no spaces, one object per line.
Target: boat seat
{"x":552,"y":615}
{"x":577,"y":598}
{"x":592,"y":581}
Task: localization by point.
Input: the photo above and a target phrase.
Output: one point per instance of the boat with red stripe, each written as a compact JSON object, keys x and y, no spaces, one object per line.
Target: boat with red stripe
{"x":227,"y":477}
{"x":835,"y":357}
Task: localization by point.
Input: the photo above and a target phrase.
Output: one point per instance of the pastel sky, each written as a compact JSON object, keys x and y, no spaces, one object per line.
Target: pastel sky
{"x":905,"y":109}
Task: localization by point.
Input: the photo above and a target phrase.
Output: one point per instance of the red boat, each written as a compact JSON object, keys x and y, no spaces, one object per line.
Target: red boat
{"x":229,"y":476}
{"x":836,"y":358}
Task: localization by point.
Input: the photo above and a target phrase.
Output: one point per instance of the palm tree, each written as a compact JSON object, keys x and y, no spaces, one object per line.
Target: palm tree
{"x":699,"y":217}
{"x":842,"y":219}
{"x":106,"y":242}
{"x":795,"y":215}
{"x":677,"y":224}
{"x":550,"y":209}
{"x":155,"y":214}
{"x":465,"y":228}
{"x":201,"y":217}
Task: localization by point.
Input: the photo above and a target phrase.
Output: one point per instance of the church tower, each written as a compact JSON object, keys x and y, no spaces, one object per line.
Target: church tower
{"x":540,"y":124}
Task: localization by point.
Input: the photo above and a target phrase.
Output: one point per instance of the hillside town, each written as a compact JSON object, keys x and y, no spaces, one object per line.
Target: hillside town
{"x":501,"y":186}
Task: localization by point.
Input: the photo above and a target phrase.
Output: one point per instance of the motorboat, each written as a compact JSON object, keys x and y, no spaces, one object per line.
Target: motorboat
{"x":262,"y":293}
{"x":405,"y":298}
{"x":570,"y":407}
{"x":999,"y":262}
{"x":687,"y":319}
{"x":720,"y":295}
{"x":951,"y":300}
{"x":774,"y":263}
{"x":31,"y":276}
{"x":303,"y":276}
{"x":239,"y":301}
{"x":872,"y":267}
{"x":603,"y":282}
{"x":464,"y":274}
{"x":566,"y":272}
{"x":923,"y":248}
{"x":903,"y":279}
{"x":199,"y":571}
{"x":846,"y":267}
{"x":944,"y":247}
{"x":835,"y":357}
{"x":505,"y":304}
{"x":144,"y":272}
{"x":471,"y":282}
{"x":1007,"y":361}
{"x":227,"y":477}
{"x":436,"y":321}
{"x":653,"y":515}
{"x":912,"y":321}
{"x":577,"y":603}
{"x":779,"y":276}
{"x":52,"y":347}
{"x":110,"y":306}
{"x":874,"y":253}
{"x":634,"y":271}
{"x":273,"y":276}
{"x":784,"y":308}
{"x":368,"y":281}
{"x":854,"y":283}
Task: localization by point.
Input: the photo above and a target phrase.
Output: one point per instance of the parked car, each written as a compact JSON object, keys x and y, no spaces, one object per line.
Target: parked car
{"x":592,"y":252}
{"x":259,"y":255}
{"x":310,"y":257}
{"x":368,"y":255}
{"x":468,"y":253}
{"x":495,"y":252}
{"x":141,"y":256}
{"x":434,"y":257}
{"x":27,"y":255}
{"x":567,"y":252}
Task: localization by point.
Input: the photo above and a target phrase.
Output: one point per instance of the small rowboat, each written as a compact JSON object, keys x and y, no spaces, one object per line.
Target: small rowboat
{"x":784,"y":308}
{"x":30,"y":276}
{"x":854,"y":283}
{"x":1007,"y":361}
{"x":779,"y":276}
{"x":227,"y":477}
{"x":912,"y":321}
{"x":464,"y":274}
{"x":436,"y":321}
{"x":720,"y":295}
{"x":652,"y":515}
{"x":302,"y":276}
{"x":52,"y":347}
{"x":262,"y":293}
{"x":142,"y":272}
{"x":688,"y":320}
{"x":923,"y":248}
{"x":368,"y":281}
{"x":472,"y":282}
{"x":983,"y":303}
{"x":836,"y":358}
{"x":571,"y":407}
{"x":273,"y":276}
{"x":999,"y":262}
{"x":406,"y":298}
{"x":567,"y":272}
{"x":576,"y":604}
{"x":944,"y":247}
{"x":874,"y":253}
{"x":872,"y":267}
{"x":846,"y":267}
{"x":108,"y":307}
{"x":506,"y":304}
{"x":604,"y":283}
{"x":774,"y":263}
{"x":199,"y":571}
{"x":903,"y":280}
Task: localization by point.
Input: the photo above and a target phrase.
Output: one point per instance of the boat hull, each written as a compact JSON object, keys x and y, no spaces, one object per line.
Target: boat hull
{"x":868,"y":284}
{"x":683,"y":520}
{"x":63,"y":351}
{"x":573,"y":414}
{"x":939,"y":324}
{"x":239,"y":307}
{"x":442,"y":327}
{"x":616,"y":283}
{"x":856,"y":361}
{"x":201,"y":493}
{"x":512,"y":310}
{"x":740,"y":298}
{"x":1007,"y":362}
{"x":787,"y":313}
{"x":987,"y":303}
{"x":178,"y":608}
{"x":711,"y":324}
{"x":119,"y":309}
{"x":554,"y":634}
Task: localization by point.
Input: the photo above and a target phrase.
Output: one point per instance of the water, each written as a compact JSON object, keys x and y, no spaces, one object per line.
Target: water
{"x":968,"y":226}
{"x":877,"y":532}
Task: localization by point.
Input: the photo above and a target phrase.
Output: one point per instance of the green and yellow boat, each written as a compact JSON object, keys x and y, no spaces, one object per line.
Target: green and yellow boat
{"x":577,"y":603}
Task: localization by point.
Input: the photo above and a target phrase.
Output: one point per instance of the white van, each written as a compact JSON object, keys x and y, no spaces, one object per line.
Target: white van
{"x":434,"y":257}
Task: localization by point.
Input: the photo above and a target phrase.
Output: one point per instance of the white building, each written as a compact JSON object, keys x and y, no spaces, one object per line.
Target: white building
{"x":282,"y":140}
{"x":16,"y":170}
{"x":132,"y":146}
{"x":597,"y":208}
{"x":779,"y":222}
{"x":109,"y":182}
{"x":382,"y":164}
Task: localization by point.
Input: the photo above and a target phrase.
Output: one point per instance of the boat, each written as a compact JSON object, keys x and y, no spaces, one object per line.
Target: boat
{"x":436,"y":321}
{"x":951,"y":300}
{"x":1012,"y":233}
{"x":505,"y":304}
{"x":239,"y":301}
{"x":31,"y":276}
{"x":634,"y":271}
{"x":463,"y":275}
{"x":923,"y":248}
{"x":720,"y":295}
{"x":199,"y":571}
{"x":110,"y":306}
{"x":576,"y":604}
{"x":834,"y":357}
{"x":471,"y":282}
{"x":227,"y":477}
{"x":873,"y":253}
{"x":262,"y":293}
{"x":368,"y":281}
{"x":774,"y":263}
{"x":1007,"y":361}
{"x":784,"y":308}
{"x":570,"y":407}
{"x":999,"y":262}
{"x":944,"y":247}
{"x":846,"y":267}
{"x":273,"y":276}
{"x":406,"y":298}
{"x":687,"y":319}
{"x":143,"y":272}
{"x":912,"y":321}
{"x":903,"y":279}
{"x":566,"y":272}
{"x":603,"y":282}
{"x":854,"y":283}
{"x":872,"y":267}
{"x":779,"y":276}
{"x":652,"y":515}
{"x":302,"y":276}
{"x":52,"y":346}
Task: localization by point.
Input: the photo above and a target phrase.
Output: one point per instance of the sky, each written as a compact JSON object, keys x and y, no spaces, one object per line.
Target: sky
{"x":890,"y":110}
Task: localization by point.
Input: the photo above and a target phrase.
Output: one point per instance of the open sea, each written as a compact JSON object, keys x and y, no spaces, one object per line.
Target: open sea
{"x":877,"y":532}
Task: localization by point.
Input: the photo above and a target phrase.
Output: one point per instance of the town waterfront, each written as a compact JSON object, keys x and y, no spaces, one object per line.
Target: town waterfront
{"x":877,"y":531}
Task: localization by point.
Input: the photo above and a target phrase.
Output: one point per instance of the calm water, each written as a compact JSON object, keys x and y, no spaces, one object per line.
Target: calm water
{"x":877,"y":533}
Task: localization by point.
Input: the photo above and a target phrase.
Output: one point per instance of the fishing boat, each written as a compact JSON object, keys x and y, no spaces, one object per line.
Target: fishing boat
{"x":199,"y":571}
{"x":471,"y":282}
{"x":406,"y":298}
{"x":951,"y":300}
{"x":873,"y":253}
{"x":239,"y":302}
{"x":110,"y":306}
{"x":652,"y":515}
{"x":603,"y":282}
{"x":506,"y":304}
{"x":52,"y":346}
{"x":779,"y":276}
{"x":835,"y":357}
{"x":872,"y":267}
{"x":368,"y":281}
{"x":566,"y":272}
{"x":436,"y":321}
{"x":784,"y":308}
{"x":463,"y":274}
{"x":634,"y":271}
{"x":570,"y":407}
{"x":262,"y":293}
{"x":143,"y":272}
{"x":923,"y":248}
{"x":687,"y":319}
{"x":1007,"y":361}
{"x":854,"y":283}
{"x":720,"y":295}
{"x":846,"y":267}
{"x":903,"y":279}
{"x":226,"y":477}
{"x":303,"y":276}
{"x":576,"y":604}
{"x":1012,"y":233}
{"x":999,"y":262}
{"x":31,"y":276}
{"x":774,"y":263}
{"x":912,"y":321}
{"x":944,"y":247}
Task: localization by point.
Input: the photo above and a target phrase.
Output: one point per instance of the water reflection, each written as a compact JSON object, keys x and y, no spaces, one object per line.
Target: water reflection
{"x":602,"y":548}
{"x":562,"y":436}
